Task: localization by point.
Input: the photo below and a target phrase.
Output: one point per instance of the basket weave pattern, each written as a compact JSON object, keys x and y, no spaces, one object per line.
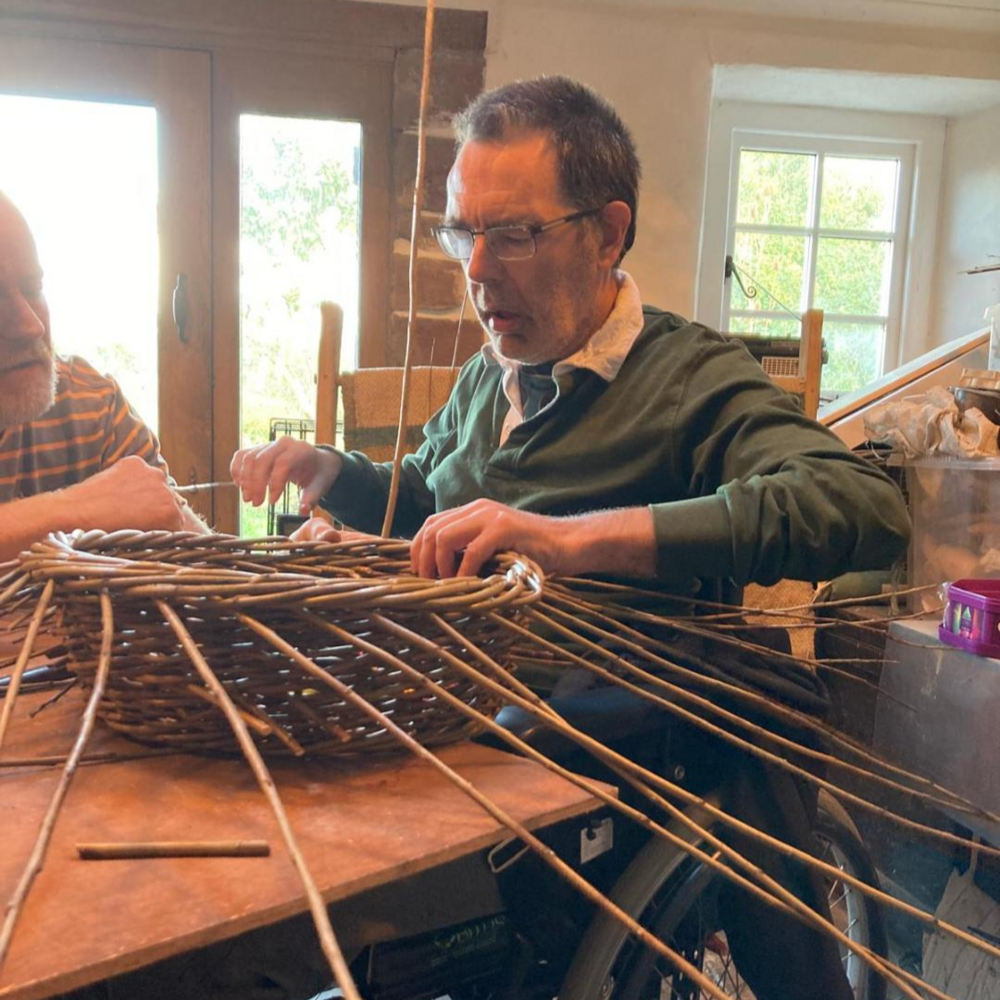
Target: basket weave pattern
{"x":155,"y":696}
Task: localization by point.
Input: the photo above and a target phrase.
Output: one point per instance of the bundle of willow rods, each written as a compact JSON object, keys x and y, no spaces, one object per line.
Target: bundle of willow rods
{"x":335,"y":648}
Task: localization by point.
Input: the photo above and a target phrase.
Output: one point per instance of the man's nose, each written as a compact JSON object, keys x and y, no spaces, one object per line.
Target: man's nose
{"x":25,"y":320}
{"x":483,"y":264}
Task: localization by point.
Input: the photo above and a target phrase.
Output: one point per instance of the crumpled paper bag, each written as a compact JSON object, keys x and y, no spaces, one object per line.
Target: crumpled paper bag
{"x":930,"y":424}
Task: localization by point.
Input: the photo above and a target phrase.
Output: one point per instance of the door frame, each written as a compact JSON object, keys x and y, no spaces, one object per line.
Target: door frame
{"x":176,"y":82}
{"x":289,"y":84}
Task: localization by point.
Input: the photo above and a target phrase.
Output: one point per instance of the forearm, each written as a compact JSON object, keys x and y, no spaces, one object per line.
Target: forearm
{"x":191,"y":521}
{"x":613,"y":542}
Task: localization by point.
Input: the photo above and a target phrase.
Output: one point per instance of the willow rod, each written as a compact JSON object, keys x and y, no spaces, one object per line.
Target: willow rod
{"x":746,"y":745}
{"x":37,"y":858}
{"x":645,"y":642}
{"x":411,"y":315}
{"x":609,"y":587}
{"x":500,"y":815}
{"x":125,"y":850}
{"x":694,"y":698}
{"x":22,"y":661}
{"x":545,"y":714}
{"x":317,"y":907}
{"x":778,"y":896}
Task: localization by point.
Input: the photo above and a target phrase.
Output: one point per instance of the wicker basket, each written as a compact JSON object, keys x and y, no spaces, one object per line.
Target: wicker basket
{"x":155,"y":696}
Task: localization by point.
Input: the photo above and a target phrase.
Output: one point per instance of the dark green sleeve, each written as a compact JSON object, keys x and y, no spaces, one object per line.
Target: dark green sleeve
{"x":774,"y":494}
{"x":361,"y":493}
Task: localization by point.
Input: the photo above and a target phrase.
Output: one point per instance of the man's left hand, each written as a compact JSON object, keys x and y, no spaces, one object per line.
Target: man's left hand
{"x":458,"y":542}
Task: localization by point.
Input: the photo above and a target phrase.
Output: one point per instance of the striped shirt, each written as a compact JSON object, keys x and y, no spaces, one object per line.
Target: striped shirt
{"x":89,"y":427}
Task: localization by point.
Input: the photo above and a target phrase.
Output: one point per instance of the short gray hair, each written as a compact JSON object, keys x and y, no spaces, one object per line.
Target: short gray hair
{"x":597,"y":158}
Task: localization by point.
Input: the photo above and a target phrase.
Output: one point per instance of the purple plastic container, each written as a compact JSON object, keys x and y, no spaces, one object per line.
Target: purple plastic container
{"x":972,"y":617}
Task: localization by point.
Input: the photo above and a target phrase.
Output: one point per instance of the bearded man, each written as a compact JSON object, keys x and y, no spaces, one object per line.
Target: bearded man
{"x":73,"y":453}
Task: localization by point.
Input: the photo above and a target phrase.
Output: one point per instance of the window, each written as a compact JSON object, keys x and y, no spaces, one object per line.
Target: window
{"x":820,"y":223}
{"x":817,"y":210}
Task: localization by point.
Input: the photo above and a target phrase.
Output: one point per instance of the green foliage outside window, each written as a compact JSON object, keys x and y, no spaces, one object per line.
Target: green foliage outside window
{"x":852,"y":275}
{"x":298,"y":226}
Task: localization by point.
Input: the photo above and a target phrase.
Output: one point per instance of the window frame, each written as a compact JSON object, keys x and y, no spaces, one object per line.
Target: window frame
{"x":918,"y":139}
{"x":813,"y":232}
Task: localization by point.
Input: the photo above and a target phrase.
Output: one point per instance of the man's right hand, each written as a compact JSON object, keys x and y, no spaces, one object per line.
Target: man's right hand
{"x":129,"y":494}
{"x":262,"y":472}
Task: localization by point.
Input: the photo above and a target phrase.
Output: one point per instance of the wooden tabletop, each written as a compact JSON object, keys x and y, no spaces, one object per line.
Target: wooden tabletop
{"x":358,"y":827}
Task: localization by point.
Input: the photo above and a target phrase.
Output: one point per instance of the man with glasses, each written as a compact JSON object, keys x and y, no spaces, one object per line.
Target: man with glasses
{"x":599,"y":435}
{"x":593,"y":433}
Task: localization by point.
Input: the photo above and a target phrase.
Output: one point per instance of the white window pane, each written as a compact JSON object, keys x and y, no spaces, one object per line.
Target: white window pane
{"x":299,"y":246}
{"x":85,"y":176}
{"x":858,"y":193}
{"x":777,"y":263}
{"x":854,"y":354}
{"x":774,"y":188}
{"x":853,"y":276}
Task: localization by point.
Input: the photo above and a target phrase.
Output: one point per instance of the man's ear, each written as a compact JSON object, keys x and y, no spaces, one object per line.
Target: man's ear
{"x":614,"y":220}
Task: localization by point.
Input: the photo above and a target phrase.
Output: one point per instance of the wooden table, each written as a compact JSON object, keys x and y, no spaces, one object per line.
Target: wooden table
{"x":358,"y":828}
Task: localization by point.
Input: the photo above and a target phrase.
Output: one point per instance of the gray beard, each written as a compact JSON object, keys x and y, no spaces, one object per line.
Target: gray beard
{"x":28,"y":403}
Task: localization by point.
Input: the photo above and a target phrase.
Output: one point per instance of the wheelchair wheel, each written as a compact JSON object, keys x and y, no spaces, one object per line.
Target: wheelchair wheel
{"x":674,"y":896}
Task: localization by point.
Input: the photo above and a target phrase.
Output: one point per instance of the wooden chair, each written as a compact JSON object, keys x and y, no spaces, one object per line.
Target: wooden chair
{"x":370,"y":398}
{"x":797,"y":373}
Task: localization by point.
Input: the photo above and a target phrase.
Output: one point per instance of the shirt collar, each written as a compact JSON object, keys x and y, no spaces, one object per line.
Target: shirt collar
{"x":604,"y":353}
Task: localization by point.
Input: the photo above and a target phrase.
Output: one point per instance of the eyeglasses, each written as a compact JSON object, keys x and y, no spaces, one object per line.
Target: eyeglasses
{"x":504,"y":242}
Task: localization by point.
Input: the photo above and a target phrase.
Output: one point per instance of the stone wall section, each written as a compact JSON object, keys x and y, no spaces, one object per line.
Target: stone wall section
{"x":457,"y":77}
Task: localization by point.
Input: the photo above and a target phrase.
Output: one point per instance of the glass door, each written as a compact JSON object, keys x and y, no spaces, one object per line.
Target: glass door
{"x":106,"y":151}
{"x":302,"y":175}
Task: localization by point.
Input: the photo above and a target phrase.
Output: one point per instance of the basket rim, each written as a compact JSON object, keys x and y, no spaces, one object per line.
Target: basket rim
{"x":366,"y":573}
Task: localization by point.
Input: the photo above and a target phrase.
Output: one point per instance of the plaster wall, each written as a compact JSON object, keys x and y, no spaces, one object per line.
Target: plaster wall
{"x":969,"y":230}
{"x":656,"y":66}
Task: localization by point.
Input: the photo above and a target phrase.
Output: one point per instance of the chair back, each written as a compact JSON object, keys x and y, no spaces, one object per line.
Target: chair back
{"x":796,"y":371}
{"x":367,"y":416}
{"x":371,"y":398}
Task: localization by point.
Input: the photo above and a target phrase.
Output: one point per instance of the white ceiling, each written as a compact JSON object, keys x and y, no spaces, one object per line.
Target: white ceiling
{"x":861,"y":91}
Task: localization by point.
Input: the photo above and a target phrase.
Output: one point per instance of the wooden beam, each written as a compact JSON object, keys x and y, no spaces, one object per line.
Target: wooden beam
{"x":356,"y":24}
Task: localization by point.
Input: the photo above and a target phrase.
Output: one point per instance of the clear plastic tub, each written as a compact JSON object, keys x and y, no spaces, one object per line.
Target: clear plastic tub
{"x":955,"y":506}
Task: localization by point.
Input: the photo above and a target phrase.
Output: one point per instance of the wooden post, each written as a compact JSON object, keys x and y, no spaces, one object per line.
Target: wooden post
{"x":811,"y":359}
{"x":328,"y":372}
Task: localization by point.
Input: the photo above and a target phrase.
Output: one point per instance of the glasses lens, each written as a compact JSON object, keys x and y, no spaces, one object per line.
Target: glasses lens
{"x":456,"y":243}
{"x":510,"y":242}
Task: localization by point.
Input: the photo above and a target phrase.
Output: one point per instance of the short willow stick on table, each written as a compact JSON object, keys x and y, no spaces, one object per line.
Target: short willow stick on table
{"x":317,"y":906}
{"x":35,"y":862}
{"x":174,"y":849}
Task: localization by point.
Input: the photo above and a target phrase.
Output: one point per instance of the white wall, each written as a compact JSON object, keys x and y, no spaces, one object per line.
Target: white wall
{"x":969,"y":230}
{"x":656,"y":66}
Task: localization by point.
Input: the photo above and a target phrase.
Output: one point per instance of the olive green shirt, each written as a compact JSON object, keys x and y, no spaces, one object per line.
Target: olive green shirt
{"x":741,"y":484}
